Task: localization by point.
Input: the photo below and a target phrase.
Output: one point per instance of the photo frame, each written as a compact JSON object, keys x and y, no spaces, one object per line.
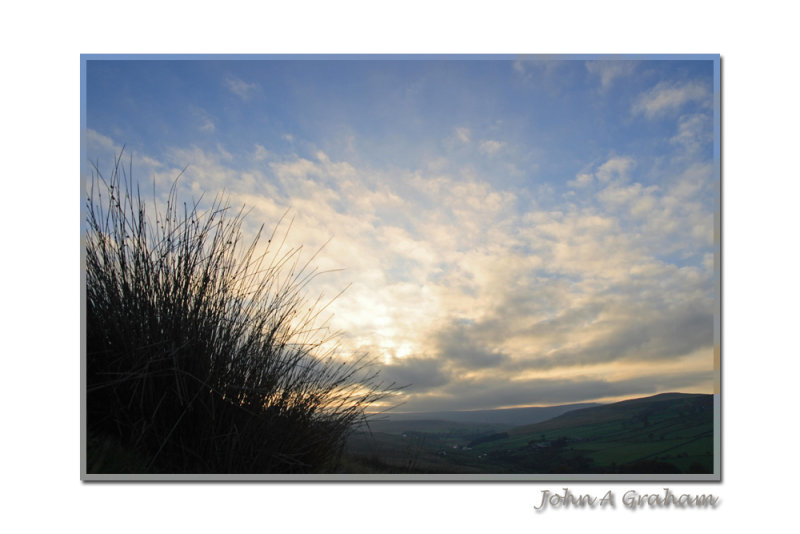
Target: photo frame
{"x":478,"y":267}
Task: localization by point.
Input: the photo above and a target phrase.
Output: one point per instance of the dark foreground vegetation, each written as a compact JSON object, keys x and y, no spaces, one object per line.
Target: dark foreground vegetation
{"x":202,"y":354}
{"x":664,"y":434}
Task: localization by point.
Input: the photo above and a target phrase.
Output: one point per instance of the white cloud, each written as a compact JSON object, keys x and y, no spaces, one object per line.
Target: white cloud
{"x":261,"y":153}
{"x":615,"y":168}
{"x":297,"y":168}
{"x":445,"y":265}
{"x":241,"y":88}
{"x":491,"y":147}
{"x":96,"y":141}
{"x":608,"y":71}
{"x":583,"y":179}
{"x":206,"y":173}
{"x":103,"y":150}
{"x":667,"y":97}
{"x":539,"y":68}
{"x":223,"y":152}
{"x":204,"y":122}
{"x":463,"y":134}
{"x":634,"y":197}
{"x":694,"y":131}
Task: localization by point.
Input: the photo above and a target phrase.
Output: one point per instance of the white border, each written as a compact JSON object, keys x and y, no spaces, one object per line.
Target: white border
{"x":760,"y":192}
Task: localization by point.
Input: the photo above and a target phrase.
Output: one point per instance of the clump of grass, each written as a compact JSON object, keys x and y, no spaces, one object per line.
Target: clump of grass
{"x":204,"y":356}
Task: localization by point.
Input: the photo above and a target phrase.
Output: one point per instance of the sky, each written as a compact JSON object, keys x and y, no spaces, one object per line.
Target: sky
{"x":509,"y":231}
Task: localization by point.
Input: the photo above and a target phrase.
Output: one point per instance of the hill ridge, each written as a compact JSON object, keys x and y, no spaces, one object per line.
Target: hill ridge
{"x":609,"y":412}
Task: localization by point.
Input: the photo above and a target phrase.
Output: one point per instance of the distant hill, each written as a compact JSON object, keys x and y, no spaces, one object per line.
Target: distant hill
{"x":671,"y":433}
{"x":634,"y":409}
{"x":504,"y":416}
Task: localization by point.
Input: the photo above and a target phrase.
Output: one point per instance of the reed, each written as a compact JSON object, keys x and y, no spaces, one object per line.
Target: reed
{"x":204,"y":355}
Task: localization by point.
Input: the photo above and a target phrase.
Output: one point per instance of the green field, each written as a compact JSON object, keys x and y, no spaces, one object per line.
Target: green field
{"x":671,"y":433}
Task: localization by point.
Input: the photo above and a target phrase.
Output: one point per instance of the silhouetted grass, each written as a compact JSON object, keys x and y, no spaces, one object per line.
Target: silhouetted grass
{"x":203,"y":356}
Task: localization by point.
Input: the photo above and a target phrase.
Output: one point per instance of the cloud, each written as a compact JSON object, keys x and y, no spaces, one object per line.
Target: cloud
{"x":241,"y":88}
{"x":635,"y":198}
{"x":582,"y":180}
{"x":614,"y":170}
{"x":205,"y":171}
{"x":478,"y":295}
{"x":491,"y":147}
{"x":461,"y":346}
{"x":639,"y":333}
{"x":204,"y":121}
{"x":669,"y":97}
{"x":417,"y":373}
{"x":608,"y":71}
{"x":463,"y":134}
{"x":694,"y":132}
{"x":101,"y":150}
{"x":95,"y":142}
{"x":261,"y":153}
{"x":616,"y":167}
{"x":541,"y":69}
{"x":98,"y":149}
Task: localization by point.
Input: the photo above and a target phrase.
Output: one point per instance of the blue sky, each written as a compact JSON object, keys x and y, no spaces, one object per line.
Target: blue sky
{"x":512,"y":231}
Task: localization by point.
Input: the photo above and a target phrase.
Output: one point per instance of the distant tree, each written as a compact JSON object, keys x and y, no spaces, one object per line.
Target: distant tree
{"x":202,"y":355}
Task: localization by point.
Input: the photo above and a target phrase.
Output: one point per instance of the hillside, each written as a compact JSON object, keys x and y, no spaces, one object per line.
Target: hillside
{"x":667,"y":433}
{"x":502,"y":416}
{"x":624,"y":410}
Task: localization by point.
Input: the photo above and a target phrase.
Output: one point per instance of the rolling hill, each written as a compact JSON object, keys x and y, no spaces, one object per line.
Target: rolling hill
{"x":502,"y":416}
{"x":666,"y":433}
